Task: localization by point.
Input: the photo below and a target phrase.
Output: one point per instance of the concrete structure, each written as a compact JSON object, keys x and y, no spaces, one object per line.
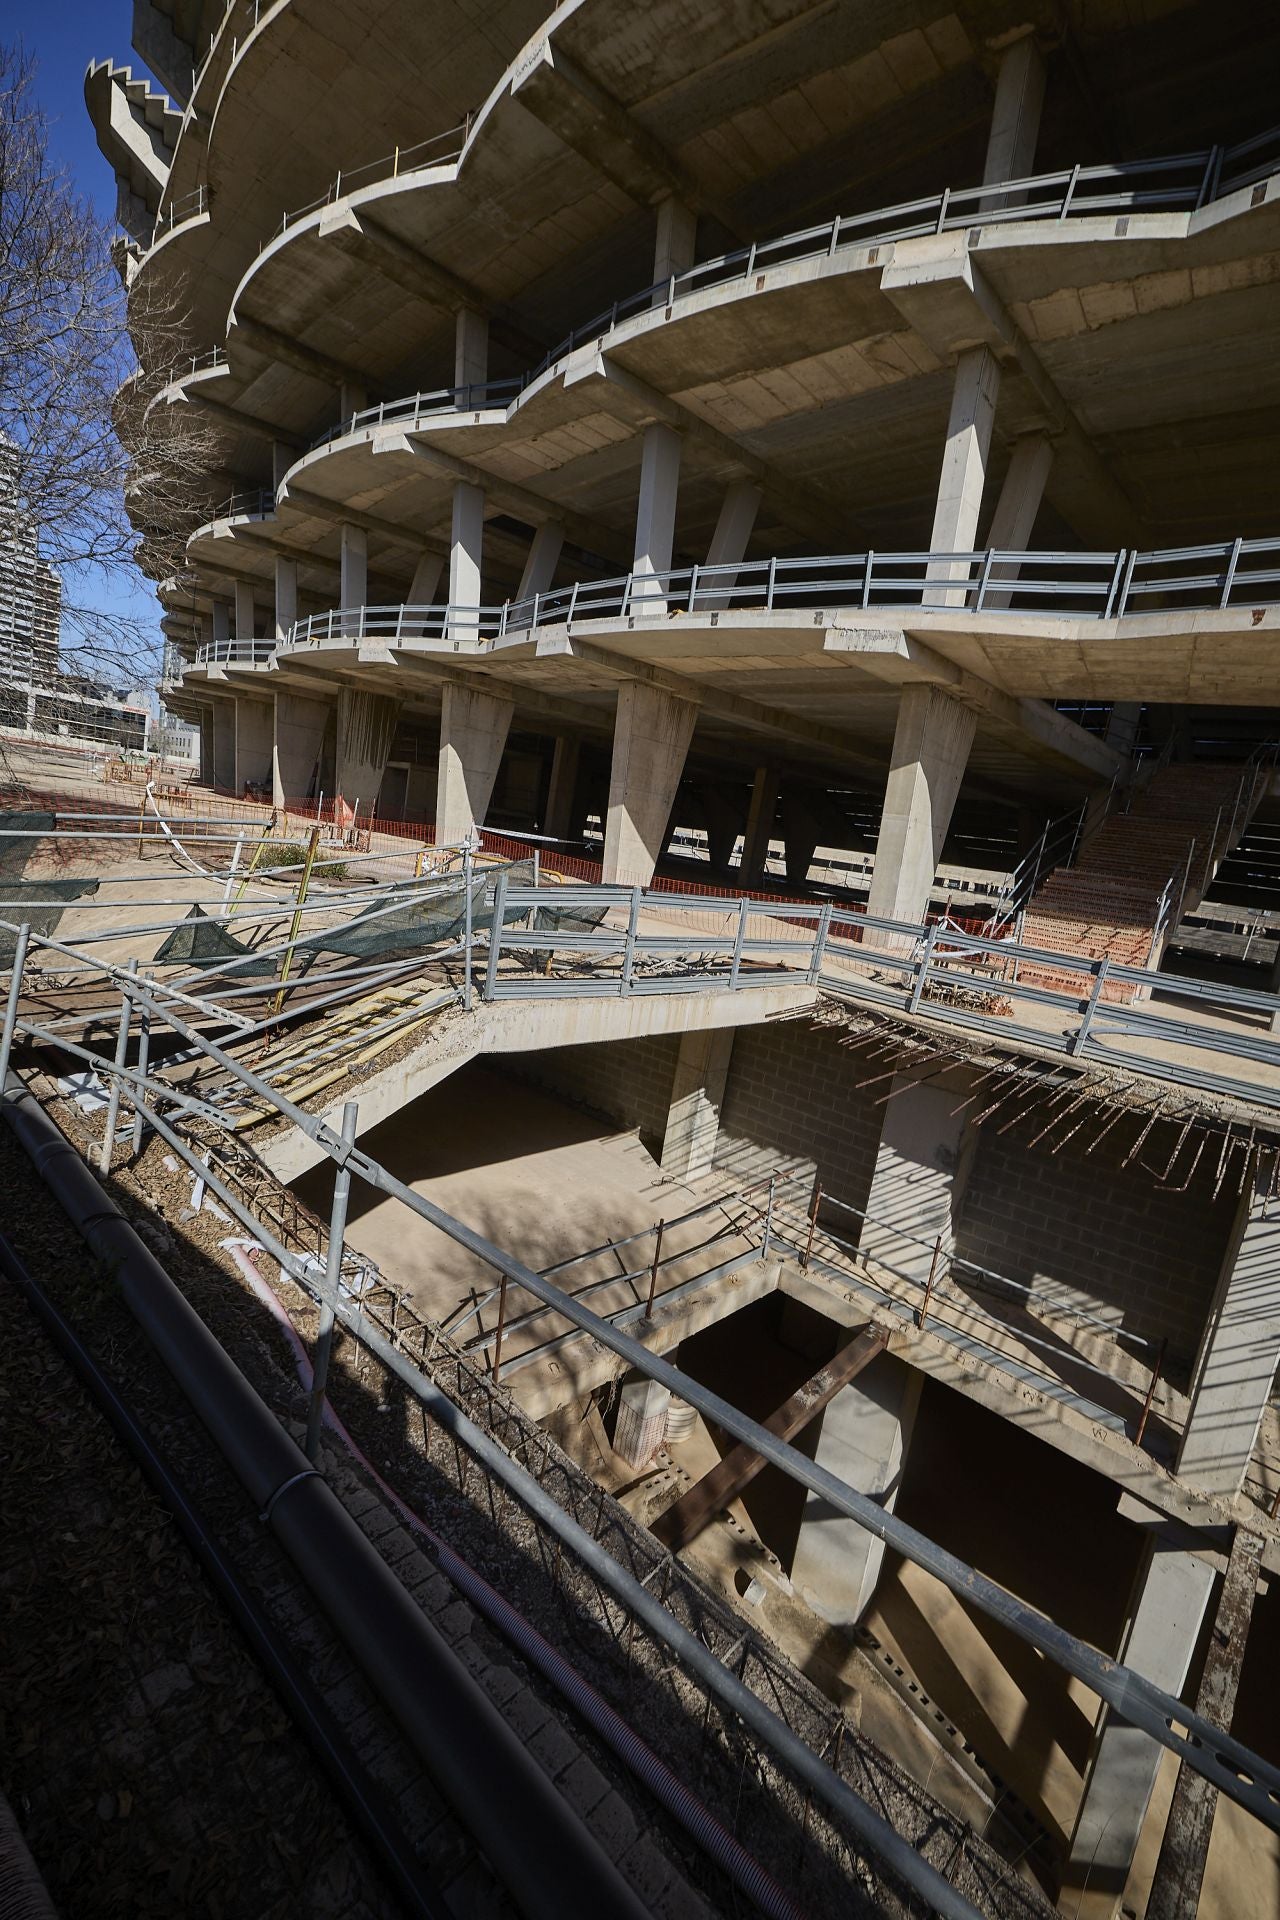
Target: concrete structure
{"x":805,"y":453}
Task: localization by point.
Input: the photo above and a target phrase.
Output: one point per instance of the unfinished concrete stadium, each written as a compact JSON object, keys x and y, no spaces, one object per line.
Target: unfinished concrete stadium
{"x":690,"y":1110}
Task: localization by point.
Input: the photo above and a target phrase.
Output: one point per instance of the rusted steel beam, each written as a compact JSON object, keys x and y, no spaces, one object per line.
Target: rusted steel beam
{"x":697,"y":1508}
{"x":1175,"y":1891}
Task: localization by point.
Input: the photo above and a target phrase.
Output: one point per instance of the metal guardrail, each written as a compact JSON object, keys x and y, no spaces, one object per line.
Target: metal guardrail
{"x":256,"y":502}
{"x":187,"y":207}
{"x":248,"y":653}
{"x":439,"y":151}
{"x":1102,"y":586}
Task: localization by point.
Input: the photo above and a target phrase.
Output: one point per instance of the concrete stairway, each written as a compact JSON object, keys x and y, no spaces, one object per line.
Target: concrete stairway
{"x":1123,"y":896}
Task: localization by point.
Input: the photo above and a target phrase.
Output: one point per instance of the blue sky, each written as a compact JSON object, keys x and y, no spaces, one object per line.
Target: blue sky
{"x":63,"y":36}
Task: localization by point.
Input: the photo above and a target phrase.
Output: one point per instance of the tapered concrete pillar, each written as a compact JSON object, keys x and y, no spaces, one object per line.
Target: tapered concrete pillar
{"x":1169,"y":1604}
{"x":930,"y":752}
{"x":1122,"y":726}
{"x":964,"y":468}
{"x":723,"y":822}
{"x":465,"y":559}
{"x":863,"y":1440}
{"x":697,"y":1095}
{"x":1014,"y":519}
{"x":220,"y":623}
{"x":675,"y":241}
{"x":244,"y":610}
{"x":207,"y":754}
{"x":1240,"y":1351}
{"x":542,"y":560}
{"x":473,"y":732}
{"x":800,"y":835}
{"x":1015,"y":120}
{"x":366,"y":728}
{"x":759,"y":831}
{"x":300,"y":724}
{"x":470,"y":349}
{"x":560,"y":820}
{"x":922,"y":1166}
{"x":224,"y":745}
{"x":286,"y":607}
{"x":655,"y":517}
{"x":282,"y":458}
{"x":353,"y":397}
{"x":651,"y":738}
{"x":424,"y":590}
{"x":729,"y":543}
{"x":353,"y":589}
{"x":255,"y":738}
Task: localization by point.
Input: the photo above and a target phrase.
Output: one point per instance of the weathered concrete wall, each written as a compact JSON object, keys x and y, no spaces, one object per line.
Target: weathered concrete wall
{"x":792,"y":1097}
{"x":1105,"y":1237}
{"x":630,"y":1082}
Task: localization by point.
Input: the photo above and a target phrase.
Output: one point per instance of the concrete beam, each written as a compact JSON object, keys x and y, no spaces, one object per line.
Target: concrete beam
{"x":473,"y":734}
{"x":1240,"y":1352}
{"x":337,"y":510}
{"x":239,"y":421}
{"x":500,"y":493}
{"x":543,"y":559}
{"x":697,"y":1095}
{"x":587,"y":119}
{"x":930,"y":752}
{"x":471,"y":348}
{"x":1165,"y":1618}
{"x":1014,"y":519}
{"x":733,"y":530}
{"x":655,"y":517}
{"x":270,"y":343}
{"x":1015,"y":120}
{"x":650,"y":741}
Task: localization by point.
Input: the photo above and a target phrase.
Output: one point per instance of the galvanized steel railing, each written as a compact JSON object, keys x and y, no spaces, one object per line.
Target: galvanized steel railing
{"x":186,"y":208}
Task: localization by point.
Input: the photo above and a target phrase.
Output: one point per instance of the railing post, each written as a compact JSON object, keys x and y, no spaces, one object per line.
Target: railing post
{"x":332,"y":1282}
{"x":140,"y":1075}
{"x":1070,"y":192}
{"x":1209,"y":178}
{"x":821,"y":932}
{"x":1076,"y":1044}
{"x":868,"y":569}
{"x":573,"y":601}
{"x":495,"y":935}
{"x":1229,"y":582}
{"x":738,"y":943}
{"x":917,"y":988}
{"x":1151,"y":1391}
{"x":18,"y":966}
{"x":768,"y":1219}
{"x":500,"y":1329}
{"x":468,"y":929}
{"x":113,"y":1097}
{"x":1126,"y":583}
{"x":653,"y":1271}
{"x":983,"y":578}
{"x":773,"y":569}
{"x":814,"y":1203}
{"x":928,"y":1285}
{"x":1117,"y":575}
{"x":629,"y":951}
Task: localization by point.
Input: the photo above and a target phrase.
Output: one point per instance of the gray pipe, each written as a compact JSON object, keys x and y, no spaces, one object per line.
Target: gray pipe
{"x":551,"y":1865}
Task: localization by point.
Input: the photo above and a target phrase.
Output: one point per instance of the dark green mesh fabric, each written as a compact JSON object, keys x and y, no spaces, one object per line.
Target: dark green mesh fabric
{"x":16,"y":892}
{"x":202,"y":942}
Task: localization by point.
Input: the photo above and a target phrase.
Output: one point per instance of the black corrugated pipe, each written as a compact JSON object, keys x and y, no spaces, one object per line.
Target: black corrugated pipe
{"x":536,"y":1845}
{"x":310,"y":1714}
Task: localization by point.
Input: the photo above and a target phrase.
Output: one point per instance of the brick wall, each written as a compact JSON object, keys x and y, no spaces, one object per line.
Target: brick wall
{"x":792,"y":1097}
{"x":1099,"y":1235}
{"x":628,"y":1081}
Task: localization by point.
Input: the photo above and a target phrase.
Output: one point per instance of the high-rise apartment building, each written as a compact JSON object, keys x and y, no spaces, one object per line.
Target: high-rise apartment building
{"x":823,"y":452}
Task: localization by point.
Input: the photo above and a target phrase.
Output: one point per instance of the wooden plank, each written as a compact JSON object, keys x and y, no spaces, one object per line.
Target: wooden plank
{"x":697,"y":1508}
{"x":1175,"y":1891}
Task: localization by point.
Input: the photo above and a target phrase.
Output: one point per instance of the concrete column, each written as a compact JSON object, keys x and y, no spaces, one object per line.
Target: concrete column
{"x":729,"y":541}
{"x":675,"y":240}
{"x":542,"y":561}
{"x":1122,"y":726}
{"x":863,"y":1439}
{"x":353,"y":397}
{"x":282,"y":458}
{"x":426,"y":579}
{"x":465,"y":558}
{"x":366,"y":728}
{"x":1240,"y":1351}
{"x":656,"y":516}
{"x":697,"y":1095}
{"x":564,"y":780}
{"x":473,"y":733}
{"x":964,"y":467}
{"x":221,"y":623}
{"x":722,"y":818}
{"x":930,"y":751}
{"x":255,"y":736}
{"x":1172,"y":1593}
{"x":759,"y":832}
{"x":207,"y":773}
{"x":641,"y":1426}
{"x":922,"y":1165}
{"x":1014,"y":519}
{"x":354,"y":585}
{"x":224,"y":745}
{"x":651,"y":737}
{"x":1015,"y":120}
{"x":470,"y":349}
{"x":286,"y":609}
{"x":801,"y":832}
{"x":244,"y":610}
{"x":300,"y":725}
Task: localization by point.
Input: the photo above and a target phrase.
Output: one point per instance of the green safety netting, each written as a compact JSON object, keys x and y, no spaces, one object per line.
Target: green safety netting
{"x":16,"y":893}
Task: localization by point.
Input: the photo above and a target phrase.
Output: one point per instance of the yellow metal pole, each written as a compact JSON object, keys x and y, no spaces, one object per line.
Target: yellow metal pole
{"x":313,"y":841}
{"x":254,"y":858}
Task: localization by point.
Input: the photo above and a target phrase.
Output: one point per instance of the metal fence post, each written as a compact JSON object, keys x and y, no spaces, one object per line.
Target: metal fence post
{"x":768,"y":1219}
{"x":1076,"y":1044}
{"x":653,"y":1270}
{"x":495,"y":935}
{"x":332,"y":1282}
{"x":113,"y":1097}
{"x":821,"y":933}
{"x":18,"y":966}
{"x":467,"y":928}
{"x":931,"y":941}
{"x":738,"y":944}
{"x":140,"y":1074}
{"x":629,"y":951}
